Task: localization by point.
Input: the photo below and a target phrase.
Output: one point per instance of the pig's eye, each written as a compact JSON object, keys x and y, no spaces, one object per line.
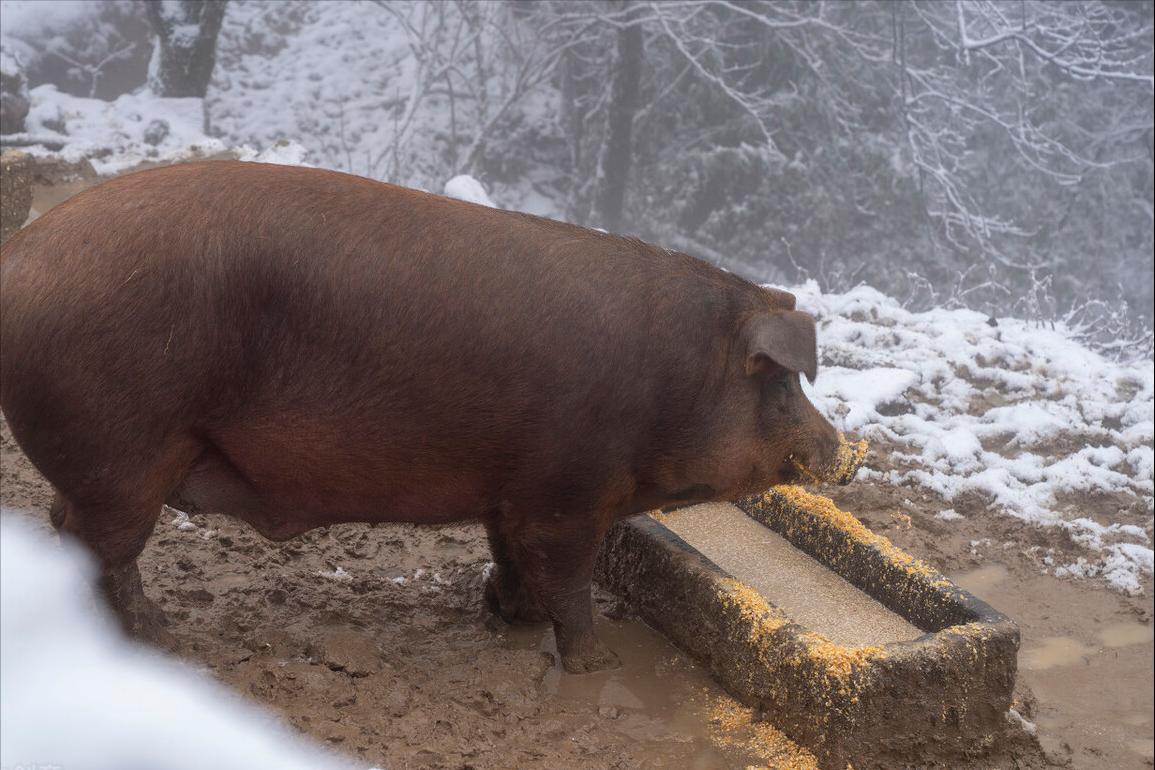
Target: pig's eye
{"x":780,"y":386}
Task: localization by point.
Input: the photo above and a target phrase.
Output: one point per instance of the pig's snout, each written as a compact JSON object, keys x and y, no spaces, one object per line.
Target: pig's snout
{"x":836,"y":460}
{"x":848,"y":458}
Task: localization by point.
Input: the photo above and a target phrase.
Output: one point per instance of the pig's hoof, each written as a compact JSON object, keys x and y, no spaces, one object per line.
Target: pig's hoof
{"x":512,"y":606}
{"x":146,"y":622}
{"x":590,"y":657}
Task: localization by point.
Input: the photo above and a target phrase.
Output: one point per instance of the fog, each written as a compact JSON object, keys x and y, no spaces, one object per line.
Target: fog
{"x":991,"y":155}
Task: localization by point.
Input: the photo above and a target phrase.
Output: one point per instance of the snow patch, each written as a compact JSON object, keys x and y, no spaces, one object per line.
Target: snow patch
{"x":466,"y":188}
{"x":283,"y":153}
{"x":118,"y":135}
{"x":1018,"y":414}
{"x":337,"y":573}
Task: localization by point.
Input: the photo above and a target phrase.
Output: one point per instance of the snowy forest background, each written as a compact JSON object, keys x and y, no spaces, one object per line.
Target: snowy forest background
{"x":990,"y":154}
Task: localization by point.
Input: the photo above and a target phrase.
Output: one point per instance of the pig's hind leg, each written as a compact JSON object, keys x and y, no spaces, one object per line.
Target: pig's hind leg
{"x":113,"y":513}
{"x":116,"y":534}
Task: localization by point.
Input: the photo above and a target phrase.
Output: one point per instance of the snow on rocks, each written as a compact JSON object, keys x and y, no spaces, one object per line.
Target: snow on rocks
{"x":14,"y":101}
{"x":115,"y":136}
{"x":1016,"y":413}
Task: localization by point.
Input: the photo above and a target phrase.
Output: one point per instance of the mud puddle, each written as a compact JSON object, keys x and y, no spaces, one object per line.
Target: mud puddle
{"x":653,"y":696}
{"x":1085,"y":660}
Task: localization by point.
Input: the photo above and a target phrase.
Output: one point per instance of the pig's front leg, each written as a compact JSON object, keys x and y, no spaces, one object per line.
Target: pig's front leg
{"x":557,"y":564}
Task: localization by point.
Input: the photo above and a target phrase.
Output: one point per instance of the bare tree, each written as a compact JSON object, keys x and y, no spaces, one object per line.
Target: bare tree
{"x":897,"y":142}
{"x":484,"y":57}
{"x":617,"y":150}
{"x":186,"y":45}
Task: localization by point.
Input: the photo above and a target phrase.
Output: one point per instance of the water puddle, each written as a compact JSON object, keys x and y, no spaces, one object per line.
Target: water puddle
{"x":1057,"y":651}
{"x":980,"y":581}
{"x":659,"y":696}
{"x":812,"y":595}
{"x":1125,"y":634}
{"x":1054,"y":651}
{"x":1142,"y":747}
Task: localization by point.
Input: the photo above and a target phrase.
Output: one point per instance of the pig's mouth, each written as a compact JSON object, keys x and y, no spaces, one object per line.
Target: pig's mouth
{"x":840,"y":469}
{"x":791,"y":471}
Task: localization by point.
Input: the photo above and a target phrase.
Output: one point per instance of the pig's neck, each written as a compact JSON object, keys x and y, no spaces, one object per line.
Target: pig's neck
{"x":700,"y":449}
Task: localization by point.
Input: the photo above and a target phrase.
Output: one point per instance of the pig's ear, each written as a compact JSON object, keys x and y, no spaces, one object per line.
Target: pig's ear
{"x":784,"y":337}
{"x":781,"y":300}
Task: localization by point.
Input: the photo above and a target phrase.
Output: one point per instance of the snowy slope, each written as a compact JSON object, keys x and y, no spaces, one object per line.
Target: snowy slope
{"x":339,"y":78}
{"x":1018,"y":415}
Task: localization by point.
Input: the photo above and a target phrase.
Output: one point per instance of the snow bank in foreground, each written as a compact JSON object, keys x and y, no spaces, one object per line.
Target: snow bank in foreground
{"x":74,"y":694}
{"x":1015,"y":413}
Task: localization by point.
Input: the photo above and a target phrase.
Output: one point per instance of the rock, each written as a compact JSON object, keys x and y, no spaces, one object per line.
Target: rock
{"x":55,"y":171}
{"x":156,"y":132}
{"x":15,"y":192}
{"x":14,"y":101}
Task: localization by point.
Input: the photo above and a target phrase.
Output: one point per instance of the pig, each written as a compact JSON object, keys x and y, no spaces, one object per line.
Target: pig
{"x":299,"y":348}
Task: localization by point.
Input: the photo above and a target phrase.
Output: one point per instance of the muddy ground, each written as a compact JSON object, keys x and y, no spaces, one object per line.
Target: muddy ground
{"x":375,"y":641}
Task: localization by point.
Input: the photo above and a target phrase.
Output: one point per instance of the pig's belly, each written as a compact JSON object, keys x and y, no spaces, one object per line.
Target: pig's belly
{"x":285,"y":488}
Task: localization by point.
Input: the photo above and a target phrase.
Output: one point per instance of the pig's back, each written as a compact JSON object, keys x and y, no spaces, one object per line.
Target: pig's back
{"x":220,"y":291}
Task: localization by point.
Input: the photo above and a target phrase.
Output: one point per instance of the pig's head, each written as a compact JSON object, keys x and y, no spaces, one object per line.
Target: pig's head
{"x":785,"y":439}
{"x":757,"y":428}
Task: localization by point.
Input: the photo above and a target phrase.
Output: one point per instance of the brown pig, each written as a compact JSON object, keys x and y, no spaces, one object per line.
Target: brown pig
{"x":299,"y":348}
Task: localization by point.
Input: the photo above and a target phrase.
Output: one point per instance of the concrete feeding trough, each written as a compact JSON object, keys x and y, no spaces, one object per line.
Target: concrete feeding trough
{"x":851,"y":647}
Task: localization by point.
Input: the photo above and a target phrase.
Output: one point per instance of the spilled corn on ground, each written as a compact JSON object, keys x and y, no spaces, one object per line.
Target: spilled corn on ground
{"x":732,"y":725}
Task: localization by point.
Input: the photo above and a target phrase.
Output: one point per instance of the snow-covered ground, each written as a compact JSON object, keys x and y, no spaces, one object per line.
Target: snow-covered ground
{"x":64,"y":664}
{"x":119,"y":135}
{"x":1016,"y":413}
{"x":135,"y":129}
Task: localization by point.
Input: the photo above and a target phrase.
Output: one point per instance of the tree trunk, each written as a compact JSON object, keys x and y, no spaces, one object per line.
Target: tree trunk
{"x":186,"y":45}
{"x":617,"y":151}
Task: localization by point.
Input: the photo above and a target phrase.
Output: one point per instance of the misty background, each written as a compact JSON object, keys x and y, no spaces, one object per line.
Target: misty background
{"x":988,"y":154}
